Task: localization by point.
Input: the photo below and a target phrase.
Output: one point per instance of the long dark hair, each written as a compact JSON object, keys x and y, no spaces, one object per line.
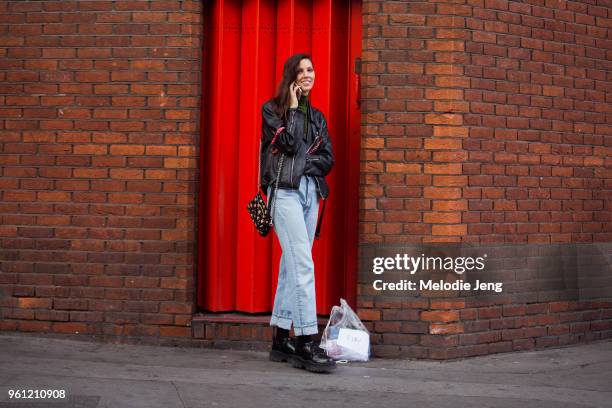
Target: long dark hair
{"x":290,"y":71}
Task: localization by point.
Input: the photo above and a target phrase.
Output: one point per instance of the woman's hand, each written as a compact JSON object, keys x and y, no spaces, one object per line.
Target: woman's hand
{"x":294,"y":93}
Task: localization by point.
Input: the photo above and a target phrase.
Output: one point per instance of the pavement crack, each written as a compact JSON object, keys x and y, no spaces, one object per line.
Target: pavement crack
{"x":178,"y":393}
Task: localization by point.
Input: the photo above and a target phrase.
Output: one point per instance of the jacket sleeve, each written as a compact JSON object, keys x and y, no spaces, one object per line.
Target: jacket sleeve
{"x":321,"y":161}
{"x":285,"y":135}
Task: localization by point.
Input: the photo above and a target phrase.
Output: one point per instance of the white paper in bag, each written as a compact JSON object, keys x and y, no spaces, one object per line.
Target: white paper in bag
{"x":356,"y":340}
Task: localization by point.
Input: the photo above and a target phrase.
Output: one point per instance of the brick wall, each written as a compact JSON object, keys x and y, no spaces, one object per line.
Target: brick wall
{"x":539,"y":125}
{"x":487,"y":123}
{"x":99,"y":106}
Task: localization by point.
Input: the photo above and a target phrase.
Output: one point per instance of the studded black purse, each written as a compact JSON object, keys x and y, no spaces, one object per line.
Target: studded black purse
{"x":261,"y":214}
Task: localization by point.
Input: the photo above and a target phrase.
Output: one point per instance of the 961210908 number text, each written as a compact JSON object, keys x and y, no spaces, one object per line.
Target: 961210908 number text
{"x":36,"y":394}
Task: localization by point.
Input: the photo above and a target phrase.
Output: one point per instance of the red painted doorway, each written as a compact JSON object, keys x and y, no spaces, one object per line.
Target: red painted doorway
{"x":245,"y":45}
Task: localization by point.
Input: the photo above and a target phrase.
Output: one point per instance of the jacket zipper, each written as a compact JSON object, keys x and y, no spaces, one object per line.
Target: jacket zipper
{"x":291,"y":175}
{"x":291,"y":124}
{"x":313,"y":143}
{"x":293,"y":157}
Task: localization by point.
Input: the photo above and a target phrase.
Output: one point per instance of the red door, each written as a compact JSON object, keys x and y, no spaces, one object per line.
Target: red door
{"x":246,"y":44}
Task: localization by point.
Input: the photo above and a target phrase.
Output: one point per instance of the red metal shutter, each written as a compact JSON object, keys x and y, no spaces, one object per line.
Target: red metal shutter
{"x":246,"y":44}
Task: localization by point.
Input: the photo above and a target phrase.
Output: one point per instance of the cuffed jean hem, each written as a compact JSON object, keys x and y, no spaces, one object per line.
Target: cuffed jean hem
{"x":306,"y":330}
{"x":282,"y":322}
{"x":285,"y":323}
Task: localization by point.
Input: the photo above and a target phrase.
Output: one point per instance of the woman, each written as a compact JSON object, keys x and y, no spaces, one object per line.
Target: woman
{"x":295,"y":138}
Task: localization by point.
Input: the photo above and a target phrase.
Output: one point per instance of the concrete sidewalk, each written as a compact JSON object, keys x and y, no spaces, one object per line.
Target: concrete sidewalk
{"x":97,"y":375}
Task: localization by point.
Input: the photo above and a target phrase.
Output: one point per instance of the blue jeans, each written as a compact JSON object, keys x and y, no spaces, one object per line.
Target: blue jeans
{"x":295,"y":220}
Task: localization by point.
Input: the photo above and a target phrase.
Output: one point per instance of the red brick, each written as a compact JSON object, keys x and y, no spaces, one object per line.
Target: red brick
{"x":175,"y":308}
{"x":488,"y":313}
{"x":536,"y":308}
{"x":391,"y":327}
{"x":173,"y":331}
{"x":70,"y":327}
{"x":106,"y":281}
{"x":446,"y":328}
{"x":558,"y":306}
{"x":70,"y":304}
{"x":33,"y":326}
{"x":479,"y":338}
{"x":514,"y":310}
{"x":400,"y":339}
{"x":141,"y":282}
{"x":34,"y":303}
{"x":439,"y":316}
{"x":368,"y":314}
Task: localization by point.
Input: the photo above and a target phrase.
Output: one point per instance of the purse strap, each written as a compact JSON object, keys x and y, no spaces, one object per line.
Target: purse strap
{"x":280,"y":167}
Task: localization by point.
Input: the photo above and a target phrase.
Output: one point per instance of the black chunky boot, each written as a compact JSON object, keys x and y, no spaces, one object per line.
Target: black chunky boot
{"x":310,"y":356}
{"x":283,"y":346}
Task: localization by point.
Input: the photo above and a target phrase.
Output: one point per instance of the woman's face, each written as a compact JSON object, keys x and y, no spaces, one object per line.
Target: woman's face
{"x":306,"y":76}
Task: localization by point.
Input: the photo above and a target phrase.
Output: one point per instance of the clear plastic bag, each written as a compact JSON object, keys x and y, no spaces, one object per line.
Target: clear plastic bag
{"x":345,"y":337}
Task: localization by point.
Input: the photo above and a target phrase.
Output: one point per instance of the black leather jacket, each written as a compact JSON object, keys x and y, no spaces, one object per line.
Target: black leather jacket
{"x":313,"y":156}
